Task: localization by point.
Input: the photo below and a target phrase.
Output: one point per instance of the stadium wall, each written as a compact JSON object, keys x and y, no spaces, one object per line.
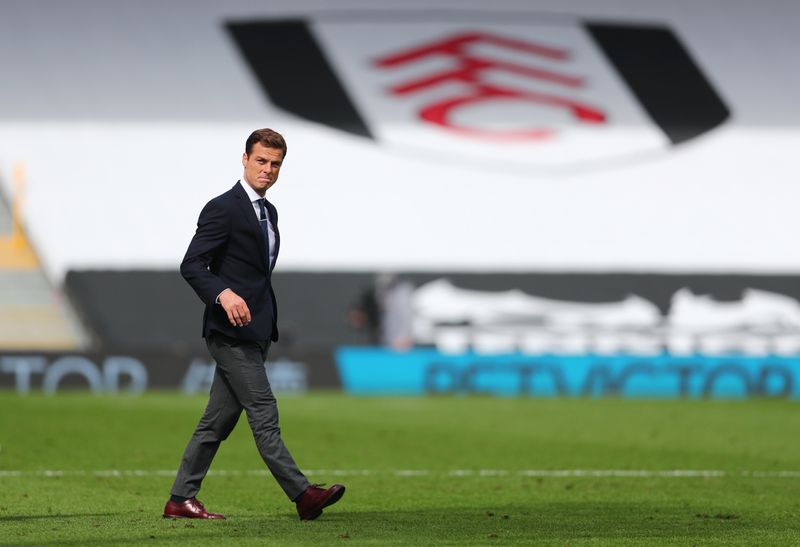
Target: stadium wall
{"x":586,"y":197}
{"x":549,"y":335}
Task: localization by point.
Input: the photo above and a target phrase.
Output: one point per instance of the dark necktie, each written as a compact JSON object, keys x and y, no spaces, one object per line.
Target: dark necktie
{"x":263,"y":220}
{"x":262,"y":210}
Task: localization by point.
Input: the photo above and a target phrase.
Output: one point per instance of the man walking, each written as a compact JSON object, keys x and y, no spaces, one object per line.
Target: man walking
{"x":229,"y":264}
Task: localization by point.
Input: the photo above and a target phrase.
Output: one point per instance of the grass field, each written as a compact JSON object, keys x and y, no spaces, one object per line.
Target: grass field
{"x":80,"y":470}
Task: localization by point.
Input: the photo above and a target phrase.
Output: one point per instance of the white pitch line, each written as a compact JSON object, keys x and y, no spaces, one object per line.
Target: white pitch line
{"x":634,"y":473}
{"x":782,"y":474}
{"x":405,"y":473}
{"x":411,"y":473}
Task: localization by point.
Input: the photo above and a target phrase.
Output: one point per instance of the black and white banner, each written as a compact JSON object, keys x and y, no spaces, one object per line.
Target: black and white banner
{"x":526,"y":89}
{"x":536,"y":136}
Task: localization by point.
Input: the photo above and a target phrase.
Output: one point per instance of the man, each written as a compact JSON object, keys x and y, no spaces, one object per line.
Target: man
{"x":229,"y":265}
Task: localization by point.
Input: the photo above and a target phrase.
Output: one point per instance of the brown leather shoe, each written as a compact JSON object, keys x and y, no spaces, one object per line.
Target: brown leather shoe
{"x":189,"y":509}
{"x":315,"y":499}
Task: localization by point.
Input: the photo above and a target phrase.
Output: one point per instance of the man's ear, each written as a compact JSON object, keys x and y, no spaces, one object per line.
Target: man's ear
{"x":244,"y":159}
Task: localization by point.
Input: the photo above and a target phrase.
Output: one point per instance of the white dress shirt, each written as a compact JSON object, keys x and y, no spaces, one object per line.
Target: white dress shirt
{"x":254,"y":199}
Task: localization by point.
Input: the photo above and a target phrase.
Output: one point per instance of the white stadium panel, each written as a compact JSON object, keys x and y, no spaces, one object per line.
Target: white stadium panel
{"x":510,"y":139}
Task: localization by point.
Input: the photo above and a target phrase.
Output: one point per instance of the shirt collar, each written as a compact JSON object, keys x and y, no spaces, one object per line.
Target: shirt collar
{"x":250,"y":192}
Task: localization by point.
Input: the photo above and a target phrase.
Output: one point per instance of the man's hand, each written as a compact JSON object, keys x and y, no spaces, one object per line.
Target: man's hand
{"x":236,"y":308}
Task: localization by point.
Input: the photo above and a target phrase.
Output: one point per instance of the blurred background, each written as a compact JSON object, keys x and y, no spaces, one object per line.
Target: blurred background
{"x":539,"y":198}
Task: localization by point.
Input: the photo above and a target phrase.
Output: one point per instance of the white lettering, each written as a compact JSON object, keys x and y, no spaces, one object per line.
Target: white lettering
{"x":199,"y":377}
{"x":117,"y":366}
{"x":22,"y":368}
{"x":72,"y":364}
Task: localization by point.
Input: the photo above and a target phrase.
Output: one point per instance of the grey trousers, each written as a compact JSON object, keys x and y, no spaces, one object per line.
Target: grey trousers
{"x":240,"y":383}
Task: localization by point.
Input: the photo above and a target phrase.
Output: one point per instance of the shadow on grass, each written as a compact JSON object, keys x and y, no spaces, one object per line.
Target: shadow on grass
{"x":562,"y":522}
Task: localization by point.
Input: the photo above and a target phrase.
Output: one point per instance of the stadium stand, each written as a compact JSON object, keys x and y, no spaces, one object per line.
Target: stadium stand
{"x":33,"y":314}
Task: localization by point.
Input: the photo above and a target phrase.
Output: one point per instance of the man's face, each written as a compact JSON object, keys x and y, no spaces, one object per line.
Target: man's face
{"x":261,"y":167}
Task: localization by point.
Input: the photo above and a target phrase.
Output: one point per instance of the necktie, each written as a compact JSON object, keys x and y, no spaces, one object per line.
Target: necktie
{"x":263,"y":217}
{"x":263,"y":220}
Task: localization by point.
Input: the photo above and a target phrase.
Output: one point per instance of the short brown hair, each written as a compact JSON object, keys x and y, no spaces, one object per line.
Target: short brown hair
{"x":266,"y":137}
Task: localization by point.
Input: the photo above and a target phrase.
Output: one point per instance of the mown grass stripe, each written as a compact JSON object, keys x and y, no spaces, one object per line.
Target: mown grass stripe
{"x":400,"y":473}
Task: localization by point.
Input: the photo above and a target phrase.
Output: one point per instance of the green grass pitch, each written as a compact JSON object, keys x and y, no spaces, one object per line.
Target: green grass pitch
{"x":78,"y":469}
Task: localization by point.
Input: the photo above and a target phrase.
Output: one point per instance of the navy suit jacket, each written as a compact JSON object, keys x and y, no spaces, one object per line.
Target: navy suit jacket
{"x":228,"y":250}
